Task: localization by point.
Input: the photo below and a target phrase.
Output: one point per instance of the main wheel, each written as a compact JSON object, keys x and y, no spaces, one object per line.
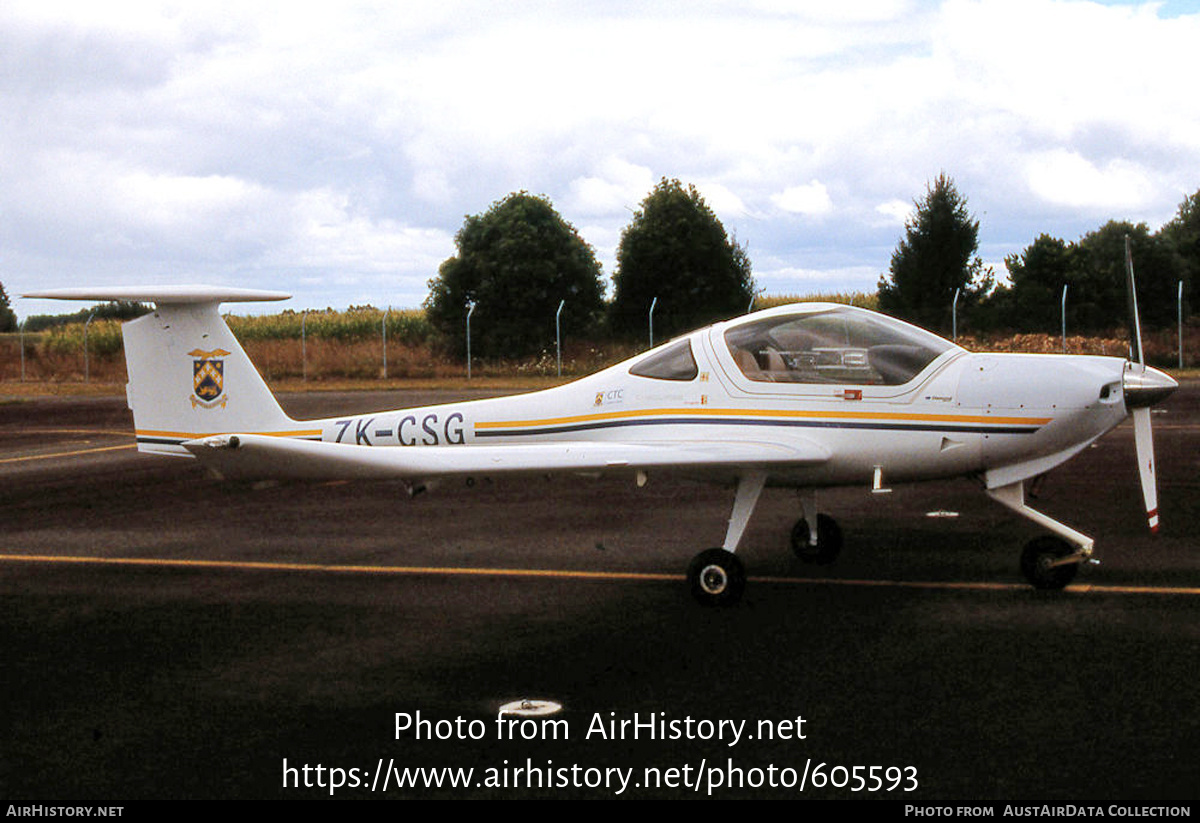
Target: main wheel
{"x":717,"y":577}
{"x":829,"y":541}
{"x":1036,"y":560}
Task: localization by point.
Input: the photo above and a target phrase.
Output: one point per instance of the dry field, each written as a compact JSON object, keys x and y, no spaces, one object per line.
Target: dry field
{"x":333,"y":352}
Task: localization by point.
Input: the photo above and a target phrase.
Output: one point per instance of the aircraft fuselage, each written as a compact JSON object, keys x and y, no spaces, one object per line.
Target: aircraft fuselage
{"x":966,"y":414}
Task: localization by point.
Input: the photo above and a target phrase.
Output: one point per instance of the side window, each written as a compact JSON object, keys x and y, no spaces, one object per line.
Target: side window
{"x":675,"y":362}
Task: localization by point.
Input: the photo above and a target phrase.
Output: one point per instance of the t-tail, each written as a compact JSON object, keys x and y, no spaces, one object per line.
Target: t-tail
{"x":188,"y":375}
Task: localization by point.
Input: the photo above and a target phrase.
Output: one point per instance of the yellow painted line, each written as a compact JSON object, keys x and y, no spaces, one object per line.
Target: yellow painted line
{"x":770,"y":413}
{"x":1077,"y":588}
{"x":125,"y":433}
{"x":251,"y":565}
{"x":899,"y":584}
{"x":1085,"y":587}
{"x":67,"y":454}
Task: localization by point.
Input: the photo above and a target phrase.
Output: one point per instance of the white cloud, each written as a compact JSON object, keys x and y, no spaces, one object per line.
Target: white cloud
{"x":722,"y":200}
{"x":803,"y":281}
{"x":895,"y":211}
{"x":812,"y":200}
{"x":328,"y":233}
{"x":860,"y":11}
{"x":176,"y":202}
{"x":1067,"y":67}
{"x":614,"y":189}
{"x":262,"y":139}
{"x":1064,"y":178}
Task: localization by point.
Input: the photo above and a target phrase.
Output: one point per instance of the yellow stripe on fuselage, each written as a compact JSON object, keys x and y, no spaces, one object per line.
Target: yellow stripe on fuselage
{"x":765,"y":413}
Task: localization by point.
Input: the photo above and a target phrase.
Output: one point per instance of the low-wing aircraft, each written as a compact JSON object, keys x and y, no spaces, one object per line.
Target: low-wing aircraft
{"x":805,"y":396}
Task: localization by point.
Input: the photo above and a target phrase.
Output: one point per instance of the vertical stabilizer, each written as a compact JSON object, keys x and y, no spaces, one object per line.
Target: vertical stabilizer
{"x":188,"y":375}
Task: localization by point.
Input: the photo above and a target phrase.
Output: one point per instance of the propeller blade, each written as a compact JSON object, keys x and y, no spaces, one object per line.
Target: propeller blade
{"x":1135,"y":322}
{"x":1144,"y":439}
{"x":1143,"y":386}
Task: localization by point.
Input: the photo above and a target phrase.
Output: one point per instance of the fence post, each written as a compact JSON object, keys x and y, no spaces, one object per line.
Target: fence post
{"x":23,"y":322}
{"x":954,"y":315}
{"x":385,"y":319}
{"x":470,"y":311}
{"x":653,"y":303}
{"x":86,"y":369}
{"x":1179,"y":309}
{"x":1064,"y":318}
{"x":558,"y":334}
{"x":304,"y":345}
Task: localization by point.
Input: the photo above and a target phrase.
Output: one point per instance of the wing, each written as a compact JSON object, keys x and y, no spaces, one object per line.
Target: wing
{"x":263,"y":456}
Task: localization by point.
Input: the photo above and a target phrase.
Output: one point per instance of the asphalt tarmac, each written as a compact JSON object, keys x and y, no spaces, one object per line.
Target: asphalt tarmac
{"x":165,"y":635}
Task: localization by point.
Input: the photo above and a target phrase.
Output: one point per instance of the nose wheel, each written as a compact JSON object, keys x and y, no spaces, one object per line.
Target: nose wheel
{"x":717,"y":577}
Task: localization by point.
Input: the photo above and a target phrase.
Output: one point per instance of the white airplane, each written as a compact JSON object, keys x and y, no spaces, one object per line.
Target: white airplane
{"x":805,"y":396}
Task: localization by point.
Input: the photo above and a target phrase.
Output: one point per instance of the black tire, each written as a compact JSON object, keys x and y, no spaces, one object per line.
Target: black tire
{"x":829,"y":541}
{"x":717,"y":577}
{"x":1036,"y":559}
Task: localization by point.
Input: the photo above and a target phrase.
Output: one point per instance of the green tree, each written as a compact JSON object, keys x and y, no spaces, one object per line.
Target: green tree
{"x":1093,"y":269}
{"x":117,"y":310}
{"x":936,"y":257}
{"x":1038,"y":274}
{"x":1101,"y":275}
{"x":676,"y":249}
{"x":1183,"y":233}
{"x":8,"y":319}
{"x":515,"y":262}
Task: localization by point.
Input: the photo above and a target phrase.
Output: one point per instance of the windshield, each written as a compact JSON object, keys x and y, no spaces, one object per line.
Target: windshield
{"x":841,"y":345}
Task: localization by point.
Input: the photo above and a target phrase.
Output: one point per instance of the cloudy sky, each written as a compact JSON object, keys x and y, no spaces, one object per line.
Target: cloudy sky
{"x":332,"y":150}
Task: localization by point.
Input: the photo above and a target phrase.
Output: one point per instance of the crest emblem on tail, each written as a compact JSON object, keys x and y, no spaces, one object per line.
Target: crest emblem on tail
{"x":208,"y":378}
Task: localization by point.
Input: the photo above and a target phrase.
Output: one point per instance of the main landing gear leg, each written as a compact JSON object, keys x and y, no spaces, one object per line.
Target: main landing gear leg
{"x":822,"y":544}
{"x":716,"y":576}
{"x":1047,"y":562}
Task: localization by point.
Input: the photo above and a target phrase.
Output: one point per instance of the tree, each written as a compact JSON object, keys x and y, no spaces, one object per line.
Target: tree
{"x":1183,"y":233}
{"x":115,"y":310}
{"x":676,"y":249}
{"x":1038,"y":275}
{"x":8,"y":320}
{"x":515,"y":262}
{"x":1101,"y":274}
{"x":935,"y":258}
{"x":1093,"y":269}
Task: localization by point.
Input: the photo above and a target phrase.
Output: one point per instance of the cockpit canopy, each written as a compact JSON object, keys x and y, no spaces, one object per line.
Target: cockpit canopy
{"x":840,"y":345}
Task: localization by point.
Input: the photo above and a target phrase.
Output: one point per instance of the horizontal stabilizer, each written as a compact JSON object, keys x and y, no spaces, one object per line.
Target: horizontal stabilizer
{"x":162,"y":295}
{"x":251,"y":456}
